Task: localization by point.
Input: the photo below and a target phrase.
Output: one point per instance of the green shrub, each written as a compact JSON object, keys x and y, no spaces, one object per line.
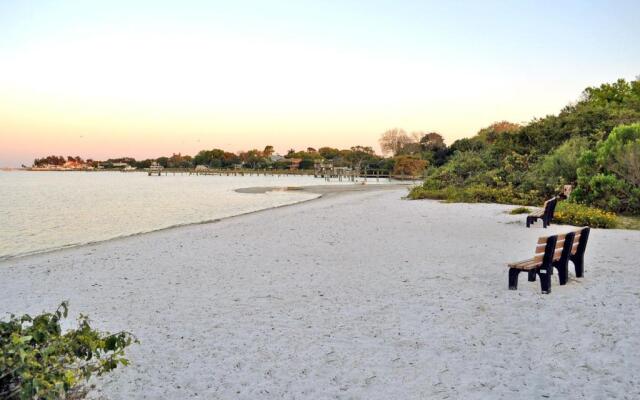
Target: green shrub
{"x":609,"y":177}
{"x":519,"y":210}
{"x":476,"y":194}
{"x":581,"y":215}
{"x":558,"y":168}
{"x":38,"y":361}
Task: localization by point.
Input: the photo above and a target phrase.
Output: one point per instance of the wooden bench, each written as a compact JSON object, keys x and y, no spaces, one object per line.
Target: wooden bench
{"x":581,"y":236}
{"x":549,"y":251}
{"x":553,"y":252}
{"x":546,"y":213}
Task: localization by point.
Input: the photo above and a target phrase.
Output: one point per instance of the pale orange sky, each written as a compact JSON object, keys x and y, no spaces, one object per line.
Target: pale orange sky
{"x":146,"y":81}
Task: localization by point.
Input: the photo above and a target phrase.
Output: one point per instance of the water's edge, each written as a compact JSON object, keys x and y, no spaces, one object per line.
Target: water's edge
{"x":4,"y":259}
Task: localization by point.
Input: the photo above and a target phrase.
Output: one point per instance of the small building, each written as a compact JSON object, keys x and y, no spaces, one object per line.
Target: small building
{"x":122,"y":165}
{"x":294,"y":163}
{"x":276,"y":158}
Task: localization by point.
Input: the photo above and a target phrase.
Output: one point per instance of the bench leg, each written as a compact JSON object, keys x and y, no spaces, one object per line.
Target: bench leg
{"x":513,"y":278}
{"x":532,"y":276}
{"x":578,"y":263}
{"x":528,"y":221}
{"x":545,"y":281}
{"x":563,"y":274}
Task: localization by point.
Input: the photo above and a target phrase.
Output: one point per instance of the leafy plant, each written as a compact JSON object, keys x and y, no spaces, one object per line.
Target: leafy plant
{"x":38,"y":361}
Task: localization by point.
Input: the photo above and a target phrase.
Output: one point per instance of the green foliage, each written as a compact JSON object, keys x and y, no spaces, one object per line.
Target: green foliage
{"x":620,"y":153}
{"x":460,"y":167}
{"x":519,"y":210}
{"x":581,"y":215}
{"x":474,"y":194}
{"x":38,"y":361}
{"x":497,"y":131}
{"x":468,"y":144}
{"x":558,"y":168}
{"x":609,"y":176}
{"x":593,"y":145}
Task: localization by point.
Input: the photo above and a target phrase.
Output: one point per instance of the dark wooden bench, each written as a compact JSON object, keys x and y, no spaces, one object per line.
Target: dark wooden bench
{"x":581,"y":236}
{"x":553,"y":252}
{"x":550,"y":251}
{"x":546,"y":213}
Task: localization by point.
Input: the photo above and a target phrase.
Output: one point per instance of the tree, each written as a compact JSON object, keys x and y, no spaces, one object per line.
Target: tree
{"x":328,"y":152}
{"x":431,"y":141}
{"x":393,"y":140}
{"x":268,"y":151}
{"x":620,"y":153}
{"x":409,"y":166}
{"x":491,"y":133}
{"x":163,"y":161}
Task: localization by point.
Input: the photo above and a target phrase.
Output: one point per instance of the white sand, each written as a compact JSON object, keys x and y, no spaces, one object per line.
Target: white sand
{"x":357,"y":296}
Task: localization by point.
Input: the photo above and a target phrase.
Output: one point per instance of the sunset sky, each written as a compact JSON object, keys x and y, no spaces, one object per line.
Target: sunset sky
{"x":148,"y":78}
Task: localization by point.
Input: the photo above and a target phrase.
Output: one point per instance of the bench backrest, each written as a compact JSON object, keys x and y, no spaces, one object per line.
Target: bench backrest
{"x":554,"y":248}
{"x":580,"y":241}
{"x":550,"y":207}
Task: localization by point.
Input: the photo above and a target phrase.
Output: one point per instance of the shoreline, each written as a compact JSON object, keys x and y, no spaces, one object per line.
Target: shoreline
{"x":323,"y":191}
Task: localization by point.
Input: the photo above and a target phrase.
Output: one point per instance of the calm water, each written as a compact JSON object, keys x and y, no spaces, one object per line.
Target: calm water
{"x":47,"y":210}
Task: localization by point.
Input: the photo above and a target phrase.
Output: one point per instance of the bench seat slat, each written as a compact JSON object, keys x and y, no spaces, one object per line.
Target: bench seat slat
{"x":525,"y":265}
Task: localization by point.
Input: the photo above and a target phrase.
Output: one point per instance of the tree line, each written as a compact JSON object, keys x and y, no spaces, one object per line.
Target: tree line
{"x":592,"y":145}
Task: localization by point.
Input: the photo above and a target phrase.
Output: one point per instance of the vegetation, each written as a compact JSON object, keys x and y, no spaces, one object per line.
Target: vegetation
{"x":520,"y":210}
{"x":38,"y":361}
{"x":474,"y":194}
{"x":593,"y":145}
{"x":362,"y":157}
{"x":580,"y":215}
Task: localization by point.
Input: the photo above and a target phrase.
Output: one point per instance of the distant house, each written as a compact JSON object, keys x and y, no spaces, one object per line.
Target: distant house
{"x":73,"y":165}
{"x":201,"y":168}
{"x":295,"y":163}
{"x":276,"y":158}
{"x":120,"y":165}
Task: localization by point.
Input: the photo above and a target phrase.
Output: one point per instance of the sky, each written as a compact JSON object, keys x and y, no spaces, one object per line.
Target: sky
{"x":144,"y":79}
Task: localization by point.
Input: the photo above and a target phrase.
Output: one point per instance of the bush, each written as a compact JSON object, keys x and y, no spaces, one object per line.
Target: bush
{"x":475,"y":194}
{"x":37,"y":361}
{"x":609,"y":177}
{"x":409,"y":166}
{"x":580,"y":215}
{"x":558,"y":168}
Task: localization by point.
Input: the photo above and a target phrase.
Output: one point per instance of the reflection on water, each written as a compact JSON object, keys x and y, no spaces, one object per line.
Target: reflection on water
{"x":48,"y":210}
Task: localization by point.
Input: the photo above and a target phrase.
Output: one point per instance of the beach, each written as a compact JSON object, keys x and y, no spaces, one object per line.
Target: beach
{"x":354,"y":295}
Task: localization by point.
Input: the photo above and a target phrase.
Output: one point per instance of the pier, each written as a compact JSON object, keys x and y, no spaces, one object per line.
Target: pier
{"x":336,"y":174}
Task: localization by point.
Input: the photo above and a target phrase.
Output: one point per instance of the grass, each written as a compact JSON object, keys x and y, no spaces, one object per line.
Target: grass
{"x":628,"y":222}
{"x":520,"y":210}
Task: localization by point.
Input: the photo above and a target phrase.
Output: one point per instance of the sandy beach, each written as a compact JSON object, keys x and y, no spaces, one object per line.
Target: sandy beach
{"x":360,"y":295}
